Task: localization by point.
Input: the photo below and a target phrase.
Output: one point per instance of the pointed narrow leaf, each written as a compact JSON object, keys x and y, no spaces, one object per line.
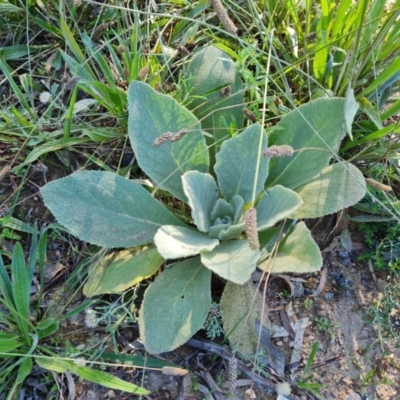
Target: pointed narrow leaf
{"x":316,"y":128}
{"x":96,"y":376}
{"x":232,"y":260}
{"x":152,"y":114}
{"x":24,"y":370}
{"x":21,"y":288}
{"x":202,"y":193}
{"x":237,"y":162}
{"x":8,"y":345}
{"x":105,"y":209}
{"x":297,"y":253}
{"x":110,"y":381}
{"x":122,"y":270}
{"x":175,"y":306}
{"x":339,"y":186}
{"x":5,"y":284}
{"x":177,"y":242}
{"x":276,"y":204}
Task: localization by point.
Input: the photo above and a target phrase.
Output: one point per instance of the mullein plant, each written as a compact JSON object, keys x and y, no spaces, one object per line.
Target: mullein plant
{"x":240,"y":188}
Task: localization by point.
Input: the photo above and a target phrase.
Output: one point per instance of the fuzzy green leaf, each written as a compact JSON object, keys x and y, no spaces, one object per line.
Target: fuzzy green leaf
{"x":202,"y":193}
{"x":122,"y":270}
{"x":177,"y":242}
{"x":232,"y":260}
{"x":297,"y":253}
{"x":339,"y":186}
{"x":209,"y":72}
{"x":315,"y":128}
{"x":105,"y":209}
{"x":237,"y":162}
{"x":239,"y":308}
{"x":152,"y":114}
{"x":175,"y":306}
{"x":276,"y":204}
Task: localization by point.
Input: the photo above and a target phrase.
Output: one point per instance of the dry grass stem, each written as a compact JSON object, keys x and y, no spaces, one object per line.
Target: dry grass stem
{"x":173,"y":371}
{"x":232,"y":366}
{"x":170,"y":137}
{"x":143,"y":72}
{"x":223,"y":16}
{"x":250,"y":220}
{"x":226,"y":91}
{"x":165,"y":137}
{"x":4,"y":172}
{"x":278,"y":151}
{"x":378,"y":185}
{"x":250,"y":115}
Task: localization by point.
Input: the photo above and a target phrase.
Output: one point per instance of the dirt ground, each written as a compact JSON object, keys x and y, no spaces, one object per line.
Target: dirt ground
{"x":349,"y":363}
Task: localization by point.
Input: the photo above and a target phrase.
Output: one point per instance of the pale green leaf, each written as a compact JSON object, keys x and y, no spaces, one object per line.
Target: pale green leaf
{"x":54,"y":364}
{"x":152,"y":114}
{"x":339,"y":186}
{"x":122,"y":270}
{"x":177,"y":242}
{"x":276,"y":204}
{"x":297,"y":253}
{"x":209,"y":72}
{"x":236,"y":166}
{"x":105,"y":209}
{"x":232,"y":260}
{"x":316,"y":129}
{"x":175,"y":306}
{"x":110,"y":381}
{"x":96,"y":376}
{"x":239,"y":309}
{"x":202,"y":193}
{"x":350,"y":111}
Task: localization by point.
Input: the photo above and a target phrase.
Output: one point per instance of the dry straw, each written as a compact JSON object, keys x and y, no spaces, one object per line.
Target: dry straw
{"x":250,"y":221}
{"x":378,"y":185}
{"x":250,"y":115}
{"x":232,"y":372}
{"x":4,"y":172}
{"x":170,"y":137}
{"x":174,"y":371}
{"x":278,"y":151}
{"x":223,"y":16}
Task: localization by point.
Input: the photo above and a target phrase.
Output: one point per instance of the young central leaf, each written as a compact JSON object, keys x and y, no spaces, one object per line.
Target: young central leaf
{"x":237,"y":162}
{"x":226,"y":219}
{"x":202,"y":193}
{"x":177,"y":242}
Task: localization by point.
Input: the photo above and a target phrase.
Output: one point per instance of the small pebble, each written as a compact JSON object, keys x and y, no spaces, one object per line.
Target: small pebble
{"x":328,"y":296}
{"x":343,"y":254}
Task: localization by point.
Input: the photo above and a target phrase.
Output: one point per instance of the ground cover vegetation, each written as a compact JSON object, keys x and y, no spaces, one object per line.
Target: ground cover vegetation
{"x":199,"y":141}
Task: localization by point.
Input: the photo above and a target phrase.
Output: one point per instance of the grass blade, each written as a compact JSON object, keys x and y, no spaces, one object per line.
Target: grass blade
{"x":21,"y":289}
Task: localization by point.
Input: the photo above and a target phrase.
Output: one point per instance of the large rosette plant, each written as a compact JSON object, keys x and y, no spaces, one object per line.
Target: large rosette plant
{"x":236,"y":203}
